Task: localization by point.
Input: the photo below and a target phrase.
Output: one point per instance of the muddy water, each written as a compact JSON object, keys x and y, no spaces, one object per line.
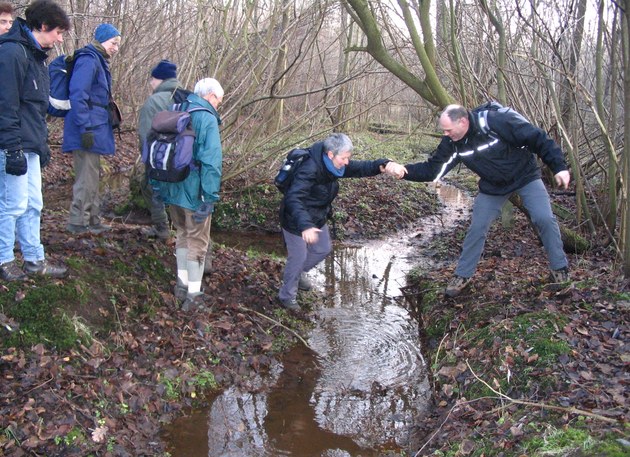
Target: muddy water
{"x":356,"y":389}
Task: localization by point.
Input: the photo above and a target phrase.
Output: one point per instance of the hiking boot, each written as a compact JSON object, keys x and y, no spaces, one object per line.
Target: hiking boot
{"x":456,"y":285}
{"x":42,"y":267}
{"x":76,"y":229}
{"x":193,"y":302}
{"x":9,"y":271}
{"x":99,"y":228}
{"x":289,"y":303}
{"x":561,"y":275}
{"x":160,"y":231}
{"x":180,"y":292}
{"x":304,"y":283}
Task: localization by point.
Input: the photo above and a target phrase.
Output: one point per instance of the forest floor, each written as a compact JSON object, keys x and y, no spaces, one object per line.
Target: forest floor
{"x":96,"y":363}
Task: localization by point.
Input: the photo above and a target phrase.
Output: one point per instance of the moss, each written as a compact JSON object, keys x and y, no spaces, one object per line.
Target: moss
{"x":41,"y":314}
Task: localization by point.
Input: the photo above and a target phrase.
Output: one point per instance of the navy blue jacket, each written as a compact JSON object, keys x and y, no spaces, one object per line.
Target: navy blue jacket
{"x":504,"y":160}
{"x":90,"y":91}
{"x":24,"y":92}
{"x":308,"y":200}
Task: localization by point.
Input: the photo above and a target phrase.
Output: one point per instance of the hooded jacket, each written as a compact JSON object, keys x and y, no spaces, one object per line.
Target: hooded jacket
{"x":308,"y":201}
{"x":90,"y":92}
{"x":202,"y":184}
{"x":24,"y":93}
{"x":503,"y":159}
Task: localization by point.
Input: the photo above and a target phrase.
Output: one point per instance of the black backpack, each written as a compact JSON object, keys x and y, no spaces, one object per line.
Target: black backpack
{"x":480,"y":114}
{"x":285,"y":175}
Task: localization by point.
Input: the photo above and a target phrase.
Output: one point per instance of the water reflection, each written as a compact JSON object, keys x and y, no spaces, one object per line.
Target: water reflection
{"x":355,"y":395}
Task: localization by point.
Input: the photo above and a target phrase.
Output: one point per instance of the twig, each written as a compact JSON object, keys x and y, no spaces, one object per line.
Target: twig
{"x":277,"y":323}
{"x":542,"y":405}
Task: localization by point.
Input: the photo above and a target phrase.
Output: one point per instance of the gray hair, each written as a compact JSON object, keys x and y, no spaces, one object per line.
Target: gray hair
{"x":338,"y":143}
{"x":208,"y":86}
{"x":455,"y":112}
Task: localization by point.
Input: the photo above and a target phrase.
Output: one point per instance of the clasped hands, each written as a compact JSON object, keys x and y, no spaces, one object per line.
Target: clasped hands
{"x":394,"y":169}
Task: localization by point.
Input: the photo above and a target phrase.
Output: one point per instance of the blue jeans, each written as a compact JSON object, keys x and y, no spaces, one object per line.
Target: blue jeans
{"x":21,"y":206}
{"x":301,"y":257}
{"x":488,"y":207}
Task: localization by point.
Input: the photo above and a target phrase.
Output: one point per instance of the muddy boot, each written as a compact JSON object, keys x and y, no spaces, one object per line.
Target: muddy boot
{"x":9,"y":271}
{"x":181,"y":291}
{"x":194,"y":302}
{"x":160,"y":231}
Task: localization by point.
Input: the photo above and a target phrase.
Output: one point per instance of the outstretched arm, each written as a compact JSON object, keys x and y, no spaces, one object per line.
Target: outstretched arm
{"x":394,"y":169}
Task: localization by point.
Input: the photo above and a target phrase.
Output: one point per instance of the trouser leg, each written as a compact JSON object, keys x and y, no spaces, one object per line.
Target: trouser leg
{"x":301,"y":257}
{"x":194,"y":238}
{"x":536,"y":201}
{"x":485,"y":210}
{"x":13,"y":203}
{"x":28,"y":224}
{"x":85,"y":207}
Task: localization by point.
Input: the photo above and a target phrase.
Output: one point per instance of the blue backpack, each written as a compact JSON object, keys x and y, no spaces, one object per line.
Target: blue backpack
{"x":60,"y":72}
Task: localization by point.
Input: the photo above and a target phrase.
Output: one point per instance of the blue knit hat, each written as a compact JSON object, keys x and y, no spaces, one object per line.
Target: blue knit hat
{"x":105,"y":32}
{"x":164,"y":70}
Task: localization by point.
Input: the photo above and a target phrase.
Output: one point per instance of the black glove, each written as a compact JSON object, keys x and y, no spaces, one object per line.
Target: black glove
{"x":87,"y":140}
{"x":203,"y":212}
{"x":44,"y":157}
{"x":16,"y":163}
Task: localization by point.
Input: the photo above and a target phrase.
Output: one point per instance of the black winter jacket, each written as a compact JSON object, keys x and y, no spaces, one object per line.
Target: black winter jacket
{"x":308,"y":200}
{"x":24,"y":92}
{"x":503,"y":160}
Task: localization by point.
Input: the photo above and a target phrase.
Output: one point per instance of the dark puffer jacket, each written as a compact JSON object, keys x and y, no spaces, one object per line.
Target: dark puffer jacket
{"x":503,"y":160}
{"x":307,"y":202}
{"x":24,"y":93}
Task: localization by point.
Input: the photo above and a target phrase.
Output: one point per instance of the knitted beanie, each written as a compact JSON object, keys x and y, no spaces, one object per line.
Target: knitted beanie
{"x":164,"y":70}
{"x":105,"y":32}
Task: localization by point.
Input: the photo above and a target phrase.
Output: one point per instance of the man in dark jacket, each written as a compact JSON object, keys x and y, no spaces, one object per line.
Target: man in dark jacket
{"x":167,"y":90}
{"x":23,"y":136}
{"x":505,"y":162}
{"x":305,"y":207}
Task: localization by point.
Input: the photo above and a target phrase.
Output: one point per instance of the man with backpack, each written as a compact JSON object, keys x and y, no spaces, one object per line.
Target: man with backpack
{"x":23,"y":136}
{"x":306,"y":205}
{"x":167,"y":90}
{"x":192,"y":200}
{"x":499,"y":146}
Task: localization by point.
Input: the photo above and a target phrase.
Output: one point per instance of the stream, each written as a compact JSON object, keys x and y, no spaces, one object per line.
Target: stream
{"x":358,"y":387}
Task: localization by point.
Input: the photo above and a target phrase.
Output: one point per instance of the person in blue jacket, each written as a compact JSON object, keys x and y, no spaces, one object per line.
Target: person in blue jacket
{"x":306,"y":206}
{"x":87,"y":130}
{"x":191,"y":202}
{"x":505,"y":161}
{"x":24,"y":134}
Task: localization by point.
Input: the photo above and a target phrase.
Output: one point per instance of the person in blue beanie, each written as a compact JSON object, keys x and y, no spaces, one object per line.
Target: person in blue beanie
{"x":23,"y":136}
{"x":87,"y":132}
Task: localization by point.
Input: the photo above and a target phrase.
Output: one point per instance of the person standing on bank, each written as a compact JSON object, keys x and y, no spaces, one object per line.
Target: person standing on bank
{"x":87,"y":130}
{"x":506,"y":164}
{"x":307,"y":204}
{"x":191,"y":201}
{"x":167,"y":90}
{"x":23,"y":136}
{"x":6,"y":17}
